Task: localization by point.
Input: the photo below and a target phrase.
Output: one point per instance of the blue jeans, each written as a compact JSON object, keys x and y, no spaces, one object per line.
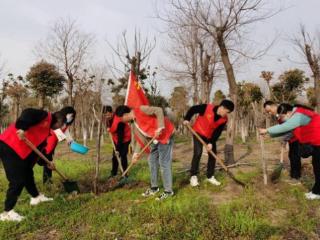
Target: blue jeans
{"x":161,"y":156}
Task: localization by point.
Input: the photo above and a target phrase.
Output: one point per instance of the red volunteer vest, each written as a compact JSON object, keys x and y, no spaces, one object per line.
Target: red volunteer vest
{"x":205,"y":124}
{"x":113,"y":130}
{"x":36,"y":134}
{"x":149,"y":124}
{"x":310,"y":133}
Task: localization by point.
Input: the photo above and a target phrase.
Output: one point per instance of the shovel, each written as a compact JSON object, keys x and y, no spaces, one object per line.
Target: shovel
{"x":123,"y":180}
{"x":275,"y":175}
{"x":69,"y":186}
{"x":116,"y":153}
{"x":216,"y":157}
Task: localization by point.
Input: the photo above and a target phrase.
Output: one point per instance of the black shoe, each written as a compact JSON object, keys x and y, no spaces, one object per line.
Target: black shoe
{"x":111,"y":176}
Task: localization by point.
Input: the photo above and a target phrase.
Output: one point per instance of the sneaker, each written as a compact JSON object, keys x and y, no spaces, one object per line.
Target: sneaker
{"x":39,"y":199}
{"x":194,"y":181}
{"x":164,"y":196}
{"x":213,"y":181}
{"x":150,"y":192}
{"x":11,"y":216}
{"x":312,"y":196}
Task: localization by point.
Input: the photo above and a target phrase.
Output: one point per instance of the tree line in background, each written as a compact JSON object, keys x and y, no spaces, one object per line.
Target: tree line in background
{"x":207,"y":40}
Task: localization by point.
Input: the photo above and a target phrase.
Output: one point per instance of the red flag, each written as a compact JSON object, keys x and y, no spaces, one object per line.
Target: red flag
{"x":135,"y":95}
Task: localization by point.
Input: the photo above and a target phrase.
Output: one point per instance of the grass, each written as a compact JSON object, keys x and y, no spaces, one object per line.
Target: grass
{"x":207,"y":212}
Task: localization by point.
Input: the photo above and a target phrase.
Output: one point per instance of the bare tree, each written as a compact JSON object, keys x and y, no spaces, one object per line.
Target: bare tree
{"x":131,"y":57}
{"x":309,"y":46}
{"x":197,"y":61}
{"x":68,"y":47}
{"x":225,"y":21}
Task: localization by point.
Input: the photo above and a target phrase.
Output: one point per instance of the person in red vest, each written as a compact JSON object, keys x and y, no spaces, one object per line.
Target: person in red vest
{"x":52,"y":141}
{"x":18,"y":159}
{"x":271,"y":108}
{"x":149,"y":122}
{"x":305,"y":125}
{"x":209,"y":124}
{"x":121,"y":136}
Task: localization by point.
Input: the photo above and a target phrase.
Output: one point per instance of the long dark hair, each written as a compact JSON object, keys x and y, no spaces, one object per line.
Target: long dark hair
{"x":68,"y":110}
{"x":58,"y":117}
{"x":284,"y":108}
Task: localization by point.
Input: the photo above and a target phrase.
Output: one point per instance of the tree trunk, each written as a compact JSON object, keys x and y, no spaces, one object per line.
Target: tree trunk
{"x":41,"y":101}
{"x":233,"y":91}
{"x":96,"y":177}
{"x":70,"y":89}
{"x":91,"y":130}
{"x":315,"y":68}
{"x":195,"y":97}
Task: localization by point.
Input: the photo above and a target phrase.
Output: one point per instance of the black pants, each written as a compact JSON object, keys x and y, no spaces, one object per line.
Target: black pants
{"x":316,"y":169}
{"x":47,"y":172}
{"x":197,"y":152}
{"x":295,"y":160}
{"x":19,"y":174}
{"x":123,"y":152}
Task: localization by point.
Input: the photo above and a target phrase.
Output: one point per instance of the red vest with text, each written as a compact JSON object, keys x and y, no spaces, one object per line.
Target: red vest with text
{"x":52,"y":141}
{"x":149,"y":124}
{"x":310,"y":133}
{"x":37,"y":134}
{"x":113,"y":130}
{"x":205,"y":124}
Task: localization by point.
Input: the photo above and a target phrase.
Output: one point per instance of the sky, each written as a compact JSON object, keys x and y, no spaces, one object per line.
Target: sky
{"x":24,"y":23}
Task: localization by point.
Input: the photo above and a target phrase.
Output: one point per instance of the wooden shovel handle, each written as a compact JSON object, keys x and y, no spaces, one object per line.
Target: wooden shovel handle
{"x":140,"y":154}
{"x":36,"y":150}
{"x":215,"y":156}
{"x":211,"y":152}
{"x":116,"y":153}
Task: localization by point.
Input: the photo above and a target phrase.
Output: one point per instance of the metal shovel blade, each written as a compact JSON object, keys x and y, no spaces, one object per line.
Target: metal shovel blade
{"x":71,"y":186}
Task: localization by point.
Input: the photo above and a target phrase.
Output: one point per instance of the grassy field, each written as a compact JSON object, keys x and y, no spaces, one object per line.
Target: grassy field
{"x":277,"y":211}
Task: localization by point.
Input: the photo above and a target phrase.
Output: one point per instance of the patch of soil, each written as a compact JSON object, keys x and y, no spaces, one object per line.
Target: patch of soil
{"x":228,"y":194}
{"x":116,"y":183}
{"x":294,"y":234}
{"x":44,"y":234}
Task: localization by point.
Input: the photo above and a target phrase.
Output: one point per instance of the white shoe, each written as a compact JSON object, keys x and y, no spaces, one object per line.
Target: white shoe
{"x":194,"y":181}
{"x":11,"y":216}
{"x":213,"y":181}
{"x":312,"y":196}
{"x":39,"y":199}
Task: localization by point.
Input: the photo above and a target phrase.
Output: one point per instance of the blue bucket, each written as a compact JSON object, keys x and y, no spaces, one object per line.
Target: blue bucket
{"x":78,"y":148}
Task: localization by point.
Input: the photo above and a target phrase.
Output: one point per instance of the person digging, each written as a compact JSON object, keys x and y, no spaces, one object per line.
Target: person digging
{"x":121,"y":138}
{"x":18,"y":159}
{"x":209,"y":124}
{"x":270,"y":108}
{"x":52,"y":141}
{"x":305,"y":125}
{"x":148,"y":123}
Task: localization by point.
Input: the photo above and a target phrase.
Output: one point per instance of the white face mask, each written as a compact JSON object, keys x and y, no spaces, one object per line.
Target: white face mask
{"x":69,"y":117}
